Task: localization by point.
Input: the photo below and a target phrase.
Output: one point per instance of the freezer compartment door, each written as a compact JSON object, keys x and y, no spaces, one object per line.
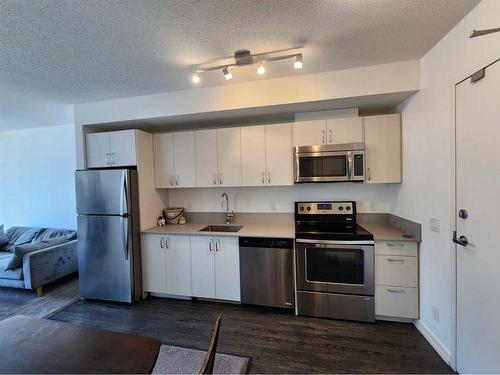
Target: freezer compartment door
{"x":105,"y":258}
{"x":103,"y":192}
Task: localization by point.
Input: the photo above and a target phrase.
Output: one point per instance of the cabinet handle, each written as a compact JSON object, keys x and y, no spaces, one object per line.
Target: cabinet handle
{"x":107,"y":159}
{"x":369,"y":174}
{"x":395,"y":290}
{"x":263,"y":179}
{"x":330,"y":135}
{"x":177,"y":180}
{"x":395,"y":260}
{"x":168,"y":242}
{"x":220,"y":178}
{"x":215,"y":178}
{"x":323,"y":136}
{"x":210,"y":245}
{"x":395,"y":245}
{"x":268,"y":177}
{"x":217,"y":245}
{"x":161,"y":241}
{"x":171,"y":180}
{"x":112,"y":159}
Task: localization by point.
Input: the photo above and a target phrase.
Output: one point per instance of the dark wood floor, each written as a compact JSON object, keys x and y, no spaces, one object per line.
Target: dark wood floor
{"x":277,"y":341}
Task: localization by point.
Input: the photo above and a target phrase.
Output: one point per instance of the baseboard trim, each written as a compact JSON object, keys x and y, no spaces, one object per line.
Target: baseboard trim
{"x":442,"y":350}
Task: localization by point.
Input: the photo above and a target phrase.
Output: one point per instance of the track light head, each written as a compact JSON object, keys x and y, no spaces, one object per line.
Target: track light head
{"x":298,"y":62}
{"x":195,"y":78}
{"x":227,"y":73}
{"x":261,"y":70}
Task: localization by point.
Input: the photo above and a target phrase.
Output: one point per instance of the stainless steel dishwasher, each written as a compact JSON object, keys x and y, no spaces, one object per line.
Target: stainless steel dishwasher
{"x":266,"y":272}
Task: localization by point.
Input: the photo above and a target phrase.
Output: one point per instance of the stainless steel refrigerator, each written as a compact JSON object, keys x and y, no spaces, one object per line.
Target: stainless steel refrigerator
{"x":108,"y":234}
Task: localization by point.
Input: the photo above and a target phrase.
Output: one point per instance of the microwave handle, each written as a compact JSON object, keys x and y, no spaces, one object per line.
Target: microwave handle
{"x":350,"y":166}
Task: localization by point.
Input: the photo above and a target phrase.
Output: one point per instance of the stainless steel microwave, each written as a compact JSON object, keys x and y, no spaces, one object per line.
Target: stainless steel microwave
{"x":329,"y":163}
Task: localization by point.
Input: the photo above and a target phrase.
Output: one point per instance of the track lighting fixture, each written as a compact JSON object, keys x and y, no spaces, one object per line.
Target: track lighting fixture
{"x":227,"y":73}
{"x":243,"y":58}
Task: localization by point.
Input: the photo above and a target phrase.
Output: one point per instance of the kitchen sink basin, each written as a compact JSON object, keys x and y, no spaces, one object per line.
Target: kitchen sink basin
{"x":221,"y":228}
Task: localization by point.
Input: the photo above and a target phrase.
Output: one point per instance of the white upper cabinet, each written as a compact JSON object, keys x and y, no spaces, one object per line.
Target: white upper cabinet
{"x":279,"y":155}
{"x":253,"y":156}
{"x":307,"y":133}
{"x":383,"y":149}
{"x":184,"y":159}
{"x":111,"y":149}
{"x":344,"y":130}
{"x":229,"y":156}
{"x":206,"y":158}
{"x":163,"y":145}
{"x":98,"y":150}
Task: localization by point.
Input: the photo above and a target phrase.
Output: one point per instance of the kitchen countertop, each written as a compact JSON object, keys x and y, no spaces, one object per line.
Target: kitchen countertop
{"x":384,"y":232}
{"x":248,"y":230}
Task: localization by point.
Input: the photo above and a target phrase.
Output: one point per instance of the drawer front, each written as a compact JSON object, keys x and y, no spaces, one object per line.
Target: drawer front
{"x":398,"y":302}
{"x":396,"y":270}
{"x":404,"y":248}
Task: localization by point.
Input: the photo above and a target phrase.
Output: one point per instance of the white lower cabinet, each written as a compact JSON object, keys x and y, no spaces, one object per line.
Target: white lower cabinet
{"x":166,"y":264}
{"x":215,"y":267}
{"x":396,"y":280}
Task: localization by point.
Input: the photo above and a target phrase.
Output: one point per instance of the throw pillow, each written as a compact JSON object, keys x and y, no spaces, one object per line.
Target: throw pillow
{"x":21,"y":250}
{"x":4,"y":239}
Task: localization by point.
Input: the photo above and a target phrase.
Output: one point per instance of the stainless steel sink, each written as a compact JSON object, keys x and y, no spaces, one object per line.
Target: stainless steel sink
{"x":221,"y":228}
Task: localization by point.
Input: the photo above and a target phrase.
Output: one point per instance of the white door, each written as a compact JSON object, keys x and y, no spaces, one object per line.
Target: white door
{"x":163,"y":145}
{"x":178,"y":265}
{"x":227,"y":268}
{"x":98,"y":150}
{"x":478,"y":192}
{"x":206,"y":158}
{"x":184,"y":157}
{"x":279,"y":154}
{"x":229,"y":156}
{"x":203,"y":266}
{"x":383,"y":149}
{"x":308,"y":133}
{"x":253,"y":155}
{"x":345,"y":130}
{"x":153,"y":263}
{"x":123,"y":148}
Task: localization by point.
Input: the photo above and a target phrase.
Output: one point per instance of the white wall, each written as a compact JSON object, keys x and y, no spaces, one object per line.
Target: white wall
{"x":37,"y":177}
{"x":428,"y":144}
{"x":370,"y":198}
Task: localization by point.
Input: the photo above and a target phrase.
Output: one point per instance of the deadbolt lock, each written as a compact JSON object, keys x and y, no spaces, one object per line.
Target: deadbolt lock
{"x":463,"y":214}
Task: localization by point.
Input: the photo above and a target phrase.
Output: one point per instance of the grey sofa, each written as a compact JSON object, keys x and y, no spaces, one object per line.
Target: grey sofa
{"x":48,"y":254}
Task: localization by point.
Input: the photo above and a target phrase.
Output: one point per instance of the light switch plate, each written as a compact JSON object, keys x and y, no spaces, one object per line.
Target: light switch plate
{"x":435,"y":313}
{"x":435,"y":224}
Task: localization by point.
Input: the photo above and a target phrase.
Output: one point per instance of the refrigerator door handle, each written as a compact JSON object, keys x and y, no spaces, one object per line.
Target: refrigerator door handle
{"x":124,"y":200}
{"x":125,"y":236}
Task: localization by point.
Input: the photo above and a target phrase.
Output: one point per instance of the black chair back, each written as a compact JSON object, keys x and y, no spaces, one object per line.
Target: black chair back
{"x":208,"y":363}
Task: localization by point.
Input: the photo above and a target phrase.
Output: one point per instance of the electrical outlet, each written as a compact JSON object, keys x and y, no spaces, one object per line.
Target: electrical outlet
{"x":435,"y":313}
{"x":435,"y":224}
{"x":373,"y":206}
{"x":273,"y":205}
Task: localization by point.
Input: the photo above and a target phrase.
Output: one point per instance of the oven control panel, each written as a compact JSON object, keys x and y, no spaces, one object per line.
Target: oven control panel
{"x":326,"y":208}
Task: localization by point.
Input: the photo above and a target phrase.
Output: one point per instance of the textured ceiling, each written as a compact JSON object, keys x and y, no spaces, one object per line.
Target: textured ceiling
{"x":77,"y":51}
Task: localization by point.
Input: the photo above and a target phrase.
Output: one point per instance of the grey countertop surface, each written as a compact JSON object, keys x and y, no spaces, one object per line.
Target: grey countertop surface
{"x":380,"y":231}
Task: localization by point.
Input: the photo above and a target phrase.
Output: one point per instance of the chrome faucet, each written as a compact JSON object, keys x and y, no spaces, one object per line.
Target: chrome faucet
{"x":229,"y":213}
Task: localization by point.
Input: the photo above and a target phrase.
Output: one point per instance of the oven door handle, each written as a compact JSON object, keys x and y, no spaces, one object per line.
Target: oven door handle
{"x":332,"y":242}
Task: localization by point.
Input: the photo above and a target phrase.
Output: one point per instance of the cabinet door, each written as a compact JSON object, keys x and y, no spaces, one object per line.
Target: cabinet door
{"x":206,"y":158}
{"x":123,"y":148}
{"x":98,"y":150}
{"x":229,"y":156}
{"x":178,"y":265}
{"x":345,"y":130}
{"x":203,"y":266}
{"x":253,"y":155}
{"x":308,"y":133}
{"x":279,"y":154}
{"x":184,"y":157}
{"x":153,"y":263}
{"x":163,"y":145}
{"x":383,"y":149}
{"x":227,"y":268}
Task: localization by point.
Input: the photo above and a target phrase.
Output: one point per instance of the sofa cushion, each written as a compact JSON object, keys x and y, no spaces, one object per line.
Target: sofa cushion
{"x":4,"y":239}
{"x":48,"y":233}
{"x":21,"y":235}
{"x":16,"y":274}
{"x":21,"y":250}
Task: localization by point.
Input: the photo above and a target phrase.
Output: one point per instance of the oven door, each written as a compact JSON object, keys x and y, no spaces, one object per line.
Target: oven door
{"x":335,"y":266}
{"x":322,"y":166}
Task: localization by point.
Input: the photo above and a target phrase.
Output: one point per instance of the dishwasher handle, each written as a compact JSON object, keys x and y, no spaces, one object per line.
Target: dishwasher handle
{"x":264,"y":242}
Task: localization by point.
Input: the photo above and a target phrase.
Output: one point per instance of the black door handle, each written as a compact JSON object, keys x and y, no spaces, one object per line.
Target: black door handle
{"x":462,"y":240}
